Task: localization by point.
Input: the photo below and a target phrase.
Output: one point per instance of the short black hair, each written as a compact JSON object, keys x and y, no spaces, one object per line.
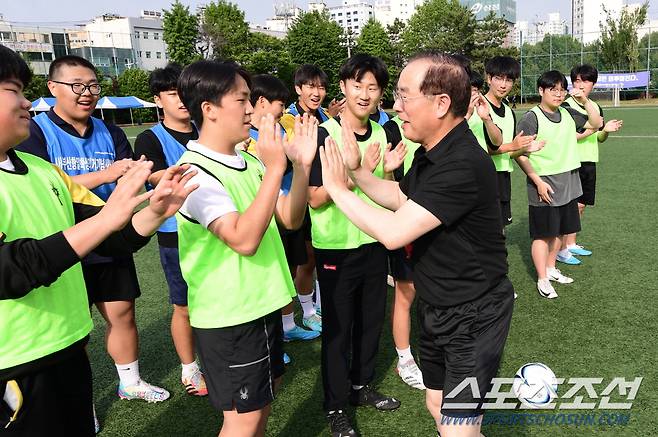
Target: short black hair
{"x":504,"y":66}
{"x":360,"y":64}
{"x":447,"y":74}
{"x":309,"y":74}
{"x":13,"y":67}
{"x":164,"y":79}
{"x":268,"y":86}
{"x":586,"y":72}
{"x":476,"y":79}
{"x":207,"y":81}
{"x":550,"y":79}
{"x":70,"y":61}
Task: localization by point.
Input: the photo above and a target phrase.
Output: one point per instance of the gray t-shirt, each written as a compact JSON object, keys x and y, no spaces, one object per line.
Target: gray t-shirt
{"x":566,"y":186}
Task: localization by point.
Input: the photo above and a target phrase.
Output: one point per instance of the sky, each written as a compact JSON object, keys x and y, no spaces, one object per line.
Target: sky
{"x":256,"y":11}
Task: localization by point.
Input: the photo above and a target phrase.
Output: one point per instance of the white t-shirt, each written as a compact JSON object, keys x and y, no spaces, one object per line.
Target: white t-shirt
{"x":211,"y":200}
{"x":7,"y":165}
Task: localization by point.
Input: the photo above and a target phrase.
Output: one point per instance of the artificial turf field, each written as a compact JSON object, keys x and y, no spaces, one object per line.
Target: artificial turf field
{"x":603,"y":325}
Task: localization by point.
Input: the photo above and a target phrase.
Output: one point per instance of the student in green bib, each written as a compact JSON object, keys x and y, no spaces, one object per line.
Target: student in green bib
{"x":49,"y":223}
{"x":351,"y":266}
{"x":584,"y":77}
{"x":553,"y":182}
{"x":501,"y":72}
{"x":479,"y":118}
{"x":231,"y":254}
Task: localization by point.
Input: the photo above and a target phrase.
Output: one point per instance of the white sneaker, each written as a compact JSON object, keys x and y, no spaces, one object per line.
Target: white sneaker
{"x":546,"y":289}
{"x":411,"y":374}
{"x":557,"y":276}
{"x":515,"y":295}
{"x":390,"y":281}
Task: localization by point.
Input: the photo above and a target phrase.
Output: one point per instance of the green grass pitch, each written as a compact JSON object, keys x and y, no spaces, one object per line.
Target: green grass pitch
{"x":603,"y":325}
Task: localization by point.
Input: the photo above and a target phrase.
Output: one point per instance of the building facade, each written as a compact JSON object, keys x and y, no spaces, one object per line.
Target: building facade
{"x":505,"y":9}
{"x":586,"y":16}
{"x":387,"y":11}
{"x":352,"y":15}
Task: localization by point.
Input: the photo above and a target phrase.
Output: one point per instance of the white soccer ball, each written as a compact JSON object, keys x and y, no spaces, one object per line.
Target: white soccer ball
{"x":535,"y":385}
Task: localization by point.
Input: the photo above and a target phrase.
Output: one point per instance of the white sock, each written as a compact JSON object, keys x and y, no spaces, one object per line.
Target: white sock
{"x":189,"y":369}
{"x":571,"y":246}
{"x":318,"y":300}
{"x":404,"y":355}
{"x":128,"y":373}
{"x":306,"y":301}
{"x":288,"y":321}
{"x":564,"y":253}
{"x":357,"y":387}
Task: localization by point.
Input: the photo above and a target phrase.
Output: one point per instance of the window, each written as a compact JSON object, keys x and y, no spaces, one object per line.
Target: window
{"x":6,"y":36}
{"x":340,"y":14}
{"x":139,"y":53}
{"x":46,"y":38}
{"x":145,"y":35}
{"x":148,"y":55}
{"x":156,"y":35}
{"x":137,"y":34}
{"x":158,"y":55}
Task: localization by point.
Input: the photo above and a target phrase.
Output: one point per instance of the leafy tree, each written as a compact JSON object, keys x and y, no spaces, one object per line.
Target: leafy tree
{"x":619,"y":43}
{"x":443,"y":25}
{"x":315,"y":39}
{"x":135,"y":82}
{"x":180,"y":33}
{"x":374,"y":40}
{"x":225,"y":29}
{"x":265,"y":54}
{"x":489,"y":41}
{"x":38,"y":87}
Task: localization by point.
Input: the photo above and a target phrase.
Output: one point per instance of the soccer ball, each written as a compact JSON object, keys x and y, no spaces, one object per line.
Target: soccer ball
{"x":535,"y":385}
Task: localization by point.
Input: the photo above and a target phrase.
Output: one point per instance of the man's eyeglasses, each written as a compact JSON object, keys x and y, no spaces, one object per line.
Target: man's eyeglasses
{"x":404,"y":99}
{"x":81,"y":88}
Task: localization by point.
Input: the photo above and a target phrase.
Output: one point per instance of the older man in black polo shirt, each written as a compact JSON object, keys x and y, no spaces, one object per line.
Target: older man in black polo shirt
{"x":447,"y":207}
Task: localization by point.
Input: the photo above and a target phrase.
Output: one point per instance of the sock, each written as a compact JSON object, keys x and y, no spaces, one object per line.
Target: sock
{"x":306,"y":300}
{"x":318,"y":300}
{"x":572,"y":246}
{"x":543,"y":282}
{"x":288,"y":321}
{"x":128,"y":373}
{"x":404,"y":355}
{"x":189,"y":369}
{"x":564,"y":253}
{"x":357,"y":387}
{"x":550,"y":270}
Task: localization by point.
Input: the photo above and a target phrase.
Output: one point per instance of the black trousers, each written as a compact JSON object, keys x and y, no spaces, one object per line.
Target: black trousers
{"x":353,"y":284}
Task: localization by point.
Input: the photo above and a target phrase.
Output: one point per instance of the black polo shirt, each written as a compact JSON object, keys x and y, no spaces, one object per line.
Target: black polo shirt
{"x":465,"y":257}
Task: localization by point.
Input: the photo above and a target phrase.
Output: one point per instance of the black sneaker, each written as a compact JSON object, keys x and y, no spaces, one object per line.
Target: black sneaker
{"x":340,"y":425}
{"x":369,"y":396}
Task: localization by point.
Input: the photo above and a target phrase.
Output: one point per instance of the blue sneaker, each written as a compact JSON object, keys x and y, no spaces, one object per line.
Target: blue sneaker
{"x":318,"y":310}
{"x":580,"y":250}
{"x":314,"y":323}
{"x":286,"y":358}
{"x":299,"y":333}
{"x":571,"y":260}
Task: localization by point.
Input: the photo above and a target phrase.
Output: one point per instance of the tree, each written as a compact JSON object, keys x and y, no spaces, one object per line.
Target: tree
{"x":443,"y":25}
{"x":226,"y":30}
{"x":266,"y":54}
{"x":374,"y":40}
{"x":38,"y":87}
{"x":489,"y":39}
{"x":135,"y":82}
{"x":180,"y":34}
{"x":649,"y":46}
{"x":619,"y":44}
{"x":315,"y":39}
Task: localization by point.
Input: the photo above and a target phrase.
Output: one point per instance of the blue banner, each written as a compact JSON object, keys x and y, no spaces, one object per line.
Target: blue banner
{"x":621,"y":80}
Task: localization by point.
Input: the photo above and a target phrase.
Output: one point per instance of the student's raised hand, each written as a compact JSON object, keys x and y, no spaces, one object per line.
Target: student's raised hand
{"x":482,"y":107}
{"x":334,"y":173}
{"x":535,"y":146}
{"x":270,"y":145}
{"x":121,"y":204}
{"x":613,"y":126}
{"x":579,"y":95}
{"x":335,"y":106}
{"x":170,"y":193}
{"x":301,"y":150}
{"x":372,"y":157}
{"x":393,"y":159}
{"x":544,"y":190}
{"x":118,"y":169}
{"x":351,"y":151}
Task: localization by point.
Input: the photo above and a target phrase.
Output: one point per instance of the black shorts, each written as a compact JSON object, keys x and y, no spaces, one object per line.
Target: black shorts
{"x":57,"y":400}
{"x":587,"y":172}
{"x":240,"y":363}
{"x":505,"y":196}
{"x":400,"y":266}
{"x":306,"y":226}
{"x":294,"y":244}
{"x":553,"y":221}
{"x":110,"y":282}
{"x":464,"y":341}
{"x":169,"y":258}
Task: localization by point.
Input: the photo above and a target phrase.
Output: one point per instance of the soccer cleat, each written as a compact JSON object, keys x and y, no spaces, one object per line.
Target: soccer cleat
{"x":286,"y":358}
{"x":411,"y":374}
{"x":339,"y":424}
{"x":298,"y":333}
{"x":314,"y":322}
{"x":557,"y":276}
{"x":369,"y":396}
{"x":143,"y":390}
{"x":195,"y":384}
{"x":579,"y":250}
{"x":546,"y":290}
{"x":571,"y":260}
